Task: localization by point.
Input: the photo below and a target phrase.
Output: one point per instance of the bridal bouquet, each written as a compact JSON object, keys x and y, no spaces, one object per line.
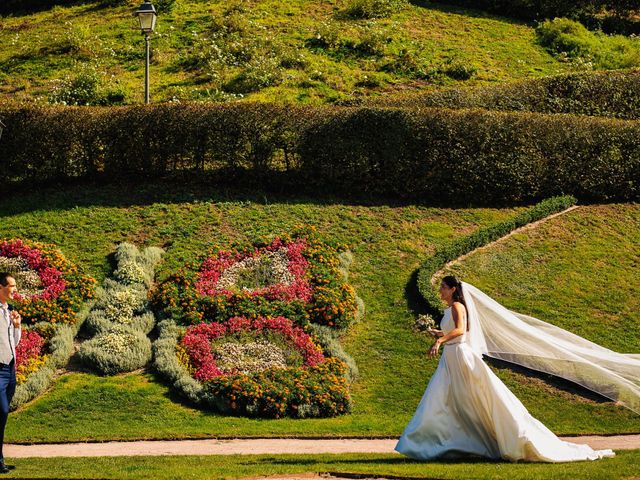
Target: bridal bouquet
{"x":424,"y":323}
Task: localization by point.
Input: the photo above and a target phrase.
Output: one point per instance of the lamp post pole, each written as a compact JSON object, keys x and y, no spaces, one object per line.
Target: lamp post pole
{"x":146,"y":69}
{"x":147,"y":15}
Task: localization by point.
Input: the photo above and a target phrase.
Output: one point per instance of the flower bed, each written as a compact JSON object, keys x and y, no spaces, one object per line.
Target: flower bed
{"x":202,"y":356}
{"x":257,"y":377}
{"x":193,"y":359}
{"x":50,"y":288}
{"x":249,"y":329}
{"x":51,"y":294}
{"x":298,"y":277}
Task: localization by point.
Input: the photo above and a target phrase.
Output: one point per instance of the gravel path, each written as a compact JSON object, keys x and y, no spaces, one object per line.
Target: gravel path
{"x":271,"y":446}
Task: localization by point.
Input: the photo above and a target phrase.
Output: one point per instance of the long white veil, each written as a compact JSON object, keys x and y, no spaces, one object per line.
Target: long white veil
{"x":500,"y":333}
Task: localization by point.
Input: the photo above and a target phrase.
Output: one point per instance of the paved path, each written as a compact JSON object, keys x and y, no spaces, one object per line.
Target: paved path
{"x":271,"y":446}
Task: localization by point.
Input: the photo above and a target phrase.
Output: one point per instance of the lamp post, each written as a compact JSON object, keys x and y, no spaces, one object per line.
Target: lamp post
{"x":147,"y":15}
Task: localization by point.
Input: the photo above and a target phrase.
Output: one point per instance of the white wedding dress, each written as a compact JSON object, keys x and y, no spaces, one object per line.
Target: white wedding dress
{"x":467,"y":410}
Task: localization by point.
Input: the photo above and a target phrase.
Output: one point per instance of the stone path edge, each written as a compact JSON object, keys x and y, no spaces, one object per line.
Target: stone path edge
{"x":258,"y":446}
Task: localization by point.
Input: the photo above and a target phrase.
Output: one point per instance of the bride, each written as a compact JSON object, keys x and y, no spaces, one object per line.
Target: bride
{"x":467,"y":410}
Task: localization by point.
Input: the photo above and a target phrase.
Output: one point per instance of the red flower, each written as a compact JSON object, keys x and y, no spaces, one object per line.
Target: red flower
{"x":299,"y":289}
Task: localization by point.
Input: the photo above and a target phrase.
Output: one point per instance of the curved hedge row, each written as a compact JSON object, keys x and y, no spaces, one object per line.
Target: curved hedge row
{"x":478,"y":239}
{"x":457,"y":157}
{"x":603,"y":94}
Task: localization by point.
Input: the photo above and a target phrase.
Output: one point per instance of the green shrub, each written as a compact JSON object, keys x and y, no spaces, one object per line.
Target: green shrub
{"x":259,"y":73}
{"x":167,"y":364}
{"x":164,"y":7}
{"x":86,"y":88}
{"x":120,"y":318}
{"x":459,"y":69}
{"x":373,"y":8}
{"x":564,"y":37}
{"x":116,"y":350}
{"x":422,"y":154}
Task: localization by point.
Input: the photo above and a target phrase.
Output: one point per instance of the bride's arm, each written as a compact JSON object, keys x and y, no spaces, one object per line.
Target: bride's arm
{"x":457,"y":312}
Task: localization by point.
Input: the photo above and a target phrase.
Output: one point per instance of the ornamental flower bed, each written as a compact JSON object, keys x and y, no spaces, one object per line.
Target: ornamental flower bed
{"x":298,"y":277}
{"x":51,"y":294}
{"x":50,"y":288}
{"x":261,"y":376}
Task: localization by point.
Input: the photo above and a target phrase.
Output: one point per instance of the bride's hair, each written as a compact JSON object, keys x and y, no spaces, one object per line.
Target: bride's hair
{"x":451,"y":281}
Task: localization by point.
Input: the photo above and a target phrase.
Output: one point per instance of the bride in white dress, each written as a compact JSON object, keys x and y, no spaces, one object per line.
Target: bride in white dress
{"x":467,"y":410}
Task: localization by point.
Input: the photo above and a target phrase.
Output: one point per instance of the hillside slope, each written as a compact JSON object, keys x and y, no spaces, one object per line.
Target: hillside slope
{"x":306,"y":51}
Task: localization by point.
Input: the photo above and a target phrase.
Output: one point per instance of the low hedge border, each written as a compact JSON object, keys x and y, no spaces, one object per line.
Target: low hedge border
{"x":478,"y":239}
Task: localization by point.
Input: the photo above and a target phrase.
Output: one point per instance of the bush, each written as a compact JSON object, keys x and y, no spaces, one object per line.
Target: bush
{"x":120,"y":318}
{"x":85,"y":88}
{"x":607,"y":94}
{"x":373,"y":8}
{"x":118,"y":349}
{"x":570,"y":39}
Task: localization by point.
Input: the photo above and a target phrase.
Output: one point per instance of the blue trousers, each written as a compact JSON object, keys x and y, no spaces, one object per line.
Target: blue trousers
{"x":7,"y":389}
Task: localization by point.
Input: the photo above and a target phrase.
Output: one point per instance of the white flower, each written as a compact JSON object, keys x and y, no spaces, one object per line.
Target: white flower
{"x":249,"y":357}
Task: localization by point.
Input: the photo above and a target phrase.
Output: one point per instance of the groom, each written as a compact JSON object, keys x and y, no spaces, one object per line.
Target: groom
{"x":10,"y":333}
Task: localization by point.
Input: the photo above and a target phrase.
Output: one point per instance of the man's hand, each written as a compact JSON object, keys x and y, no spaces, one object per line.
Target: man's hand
{"x":16,"y":318}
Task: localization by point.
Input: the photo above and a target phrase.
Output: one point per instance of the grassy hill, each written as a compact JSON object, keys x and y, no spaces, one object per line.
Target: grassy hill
{"x":582,"y":272}
{"x":306,"y":51}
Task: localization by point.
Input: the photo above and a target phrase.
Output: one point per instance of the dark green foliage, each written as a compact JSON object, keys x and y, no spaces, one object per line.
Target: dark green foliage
{"x":541,"y":9}
{"x":432,"y":155}
{"x":478,"y":239}
{"x":373,"y":8}
{"x":611,"y":94}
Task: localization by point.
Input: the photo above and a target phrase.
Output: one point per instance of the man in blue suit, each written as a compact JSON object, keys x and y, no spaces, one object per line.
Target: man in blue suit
{"x":10,"y":333}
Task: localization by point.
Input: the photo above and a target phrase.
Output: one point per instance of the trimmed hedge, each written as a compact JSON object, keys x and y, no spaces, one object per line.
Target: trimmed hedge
{"x":603,"y":94}
{"x":432,"y":155}
{"x":478,"y":239}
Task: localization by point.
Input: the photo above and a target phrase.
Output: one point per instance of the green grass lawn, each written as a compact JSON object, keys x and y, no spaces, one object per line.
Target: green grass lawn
{"x":388,"y":242}
{"x":272,"y":45}
{"x":623,"y":466}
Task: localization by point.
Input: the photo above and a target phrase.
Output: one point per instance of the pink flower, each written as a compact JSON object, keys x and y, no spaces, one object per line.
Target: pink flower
{"x":299,"y":289}
{"x":52,"y":282}
{"x":30,"y":346}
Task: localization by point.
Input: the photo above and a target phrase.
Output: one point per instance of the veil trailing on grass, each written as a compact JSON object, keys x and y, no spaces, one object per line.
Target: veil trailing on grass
{"x":500,"y":333}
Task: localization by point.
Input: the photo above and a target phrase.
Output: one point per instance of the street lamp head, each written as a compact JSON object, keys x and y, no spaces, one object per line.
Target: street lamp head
{"x":147,"y":15}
